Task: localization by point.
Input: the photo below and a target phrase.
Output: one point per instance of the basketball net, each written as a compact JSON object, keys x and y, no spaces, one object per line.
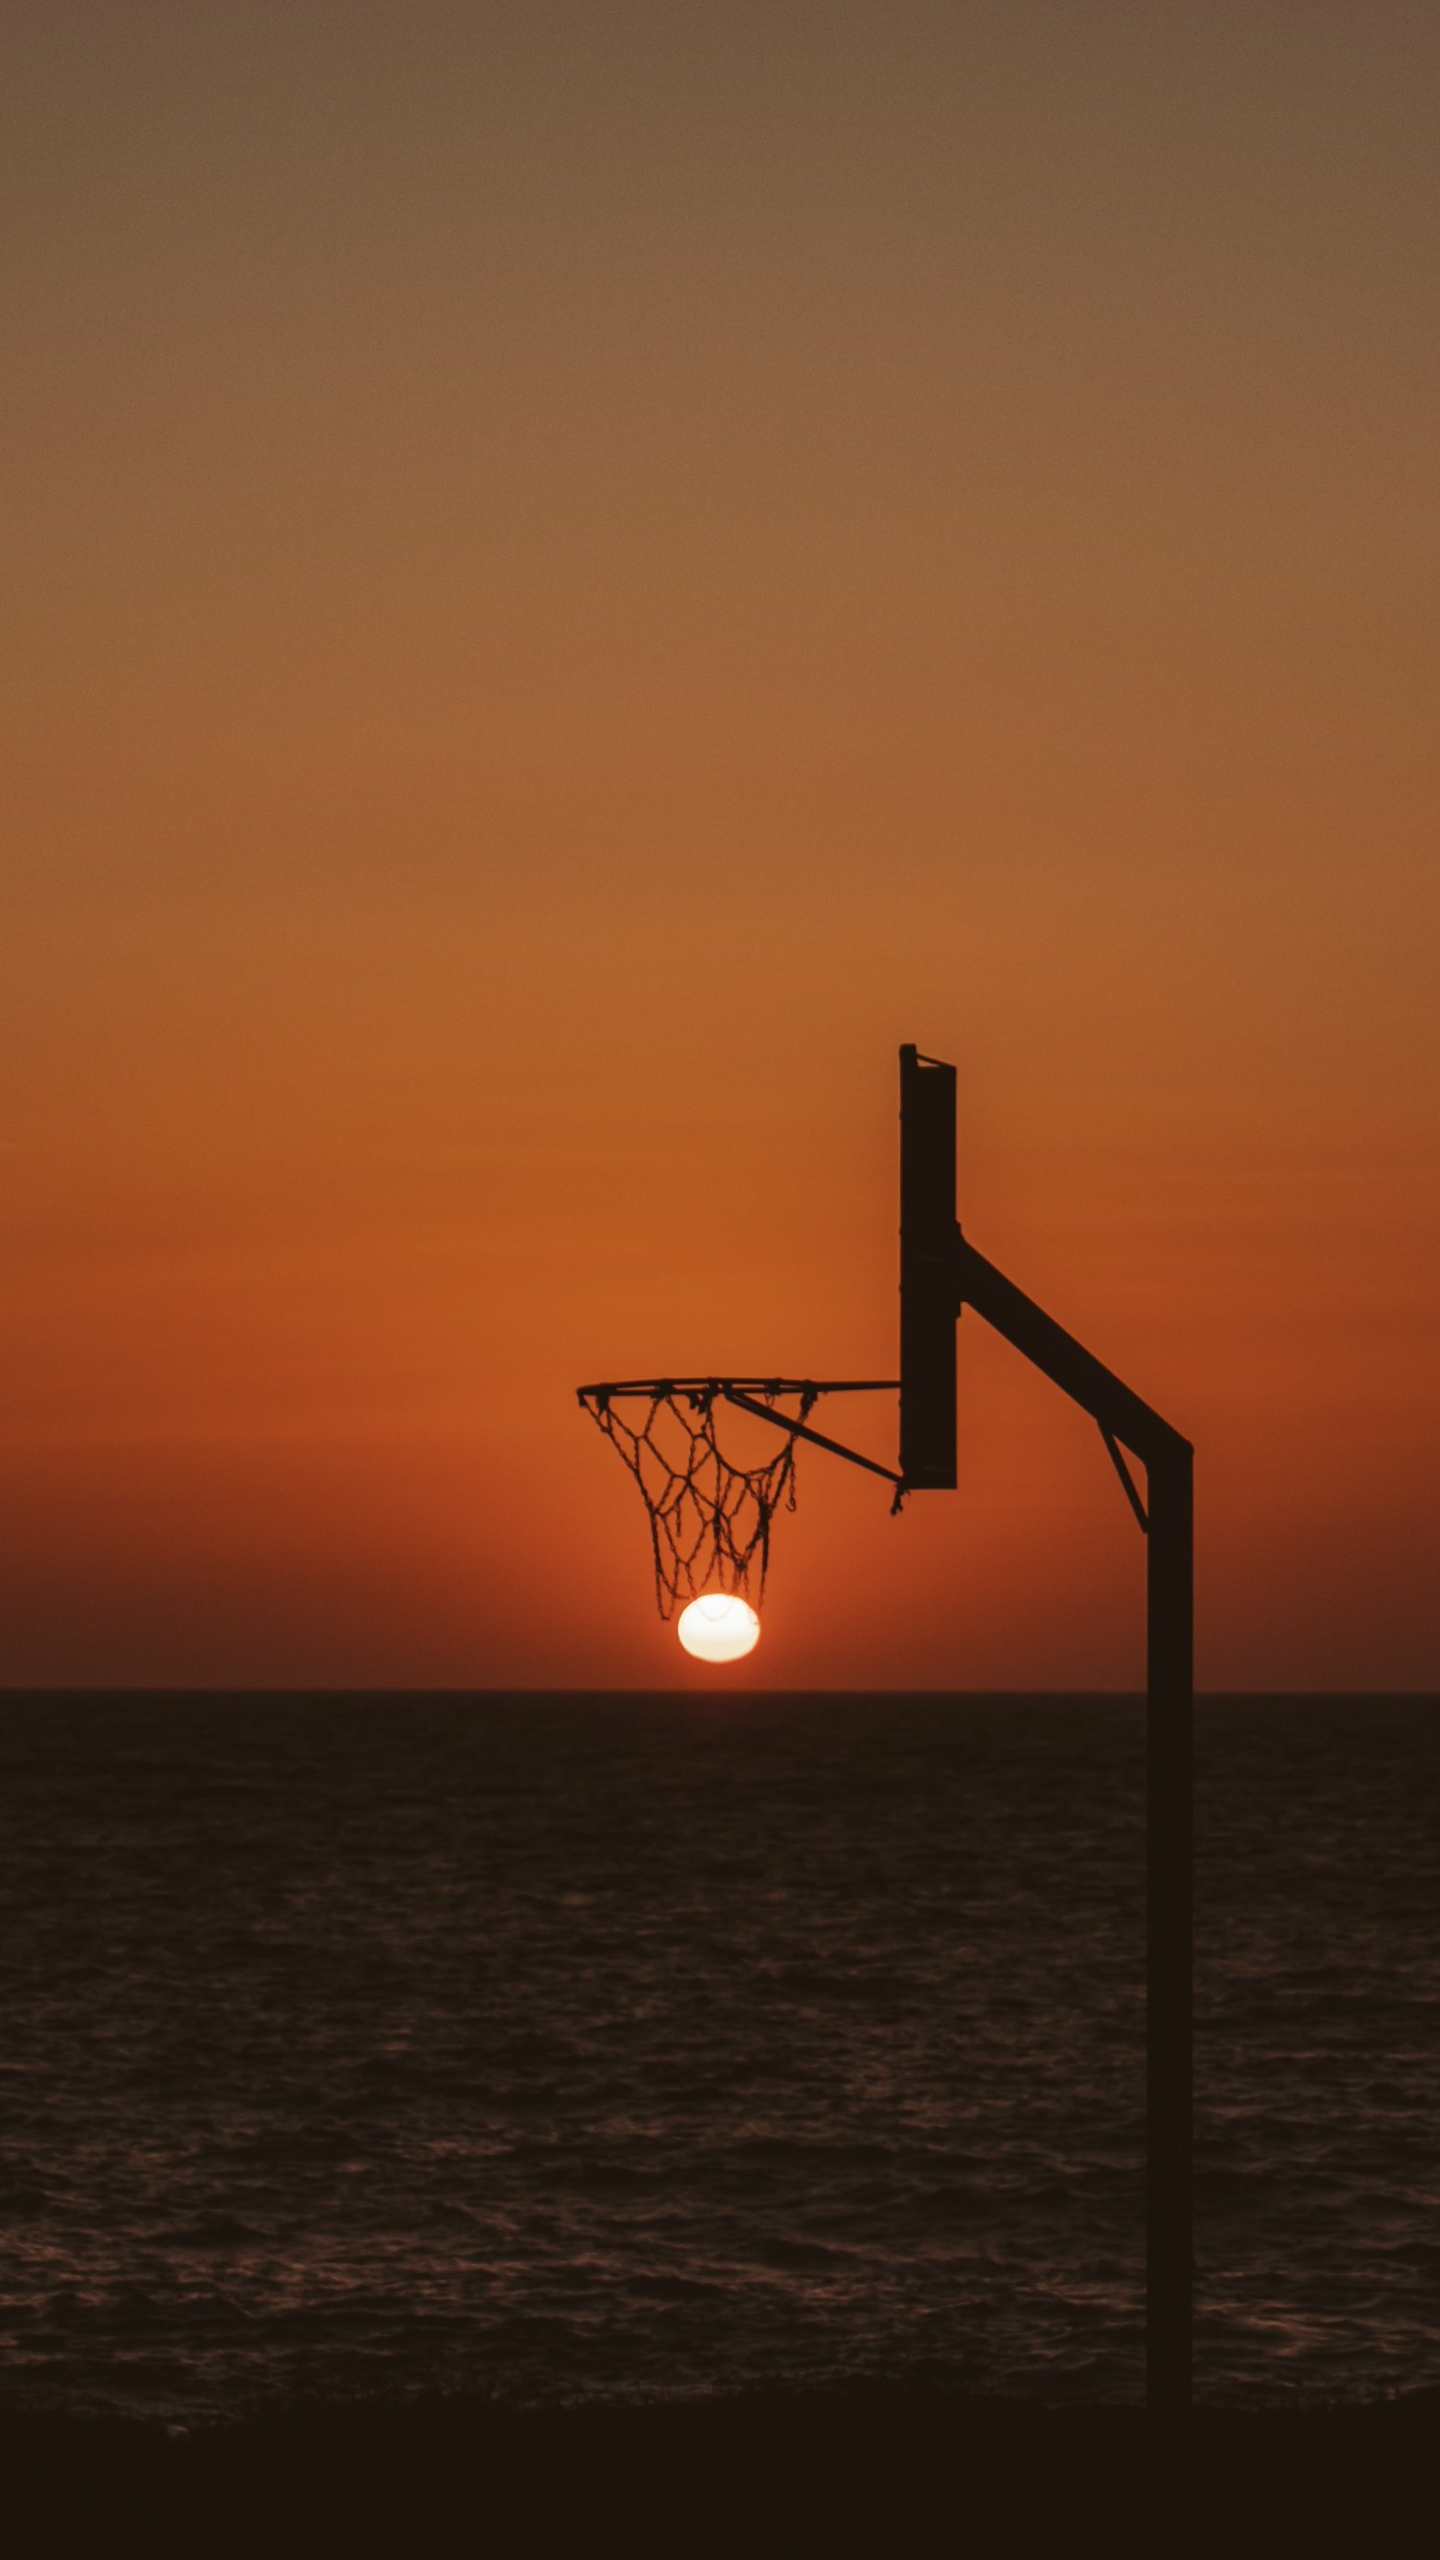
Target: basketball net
{"x":709,"y":1519}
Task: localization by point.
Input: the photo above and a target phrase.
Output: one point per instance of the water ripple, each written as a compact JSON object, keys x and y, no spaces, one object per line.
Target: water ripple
{"x":612,"y":2046}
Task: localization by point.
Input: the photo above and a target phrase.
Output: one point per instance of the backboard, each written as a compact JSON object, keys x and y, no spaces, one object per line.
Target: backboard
{"x":928,"y":1293}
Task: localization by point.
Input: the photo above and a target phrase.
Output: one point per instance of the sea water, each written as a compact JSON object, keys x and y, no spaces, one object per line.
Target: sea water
{"x":629,"y":2045}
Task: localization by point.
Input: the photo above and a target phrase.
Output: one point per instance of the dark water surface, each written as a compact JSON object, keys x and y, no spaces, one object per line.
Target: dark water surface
{"x":607,"y":2046}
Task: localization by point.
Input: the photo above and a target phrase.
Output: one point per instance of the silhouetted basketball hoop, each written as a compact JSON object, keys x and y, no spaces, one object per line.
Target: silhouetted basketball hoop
{"x":711,"y":1515}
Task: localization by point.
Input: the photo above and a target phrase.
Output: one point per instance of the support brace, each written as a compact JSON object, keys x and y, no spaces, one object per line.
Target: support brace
{"x":1118,"y":1461}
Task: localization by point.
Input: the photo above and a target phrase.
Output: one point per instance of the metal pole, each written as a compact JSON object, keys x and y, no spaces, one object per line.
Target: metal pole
{"x":1169,"y":1930}
{"x":1169,"y":1464}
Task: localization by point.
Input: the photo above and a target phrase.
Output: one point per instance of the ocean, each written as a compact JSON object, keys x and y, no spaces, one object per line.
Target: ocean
{"x":611,"y":2047}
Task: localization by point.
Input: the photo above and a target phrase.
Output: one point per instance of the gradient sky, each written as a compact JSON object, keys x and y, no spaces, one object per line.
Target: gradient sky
{"x":578,"y":574}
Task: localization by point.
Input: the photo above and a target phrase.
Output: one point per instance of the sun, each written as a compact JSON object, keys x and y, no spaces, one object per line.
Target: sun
{"x":718,"y":1627}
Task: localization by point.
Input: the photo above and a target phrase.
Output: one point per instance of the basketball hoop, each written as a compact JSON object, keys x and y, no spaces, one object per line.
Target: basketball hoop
{"x":709,"y":1515}
{"x":710,"y":1521}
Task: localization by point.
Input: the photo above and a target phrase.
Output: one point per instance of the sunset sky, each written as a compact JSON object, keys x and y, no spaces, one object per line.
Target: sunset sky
{"x":577,"y":574}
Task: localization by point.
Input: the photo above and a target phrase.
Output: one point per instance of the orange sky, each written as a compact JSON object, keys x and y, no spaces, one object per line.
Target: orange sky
{"x":580,"y":575}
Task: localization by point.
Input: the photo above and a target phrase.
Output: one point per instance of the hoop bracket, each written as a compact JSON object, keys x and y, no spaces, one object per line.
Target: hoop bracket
{"x":802,"y":1430}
